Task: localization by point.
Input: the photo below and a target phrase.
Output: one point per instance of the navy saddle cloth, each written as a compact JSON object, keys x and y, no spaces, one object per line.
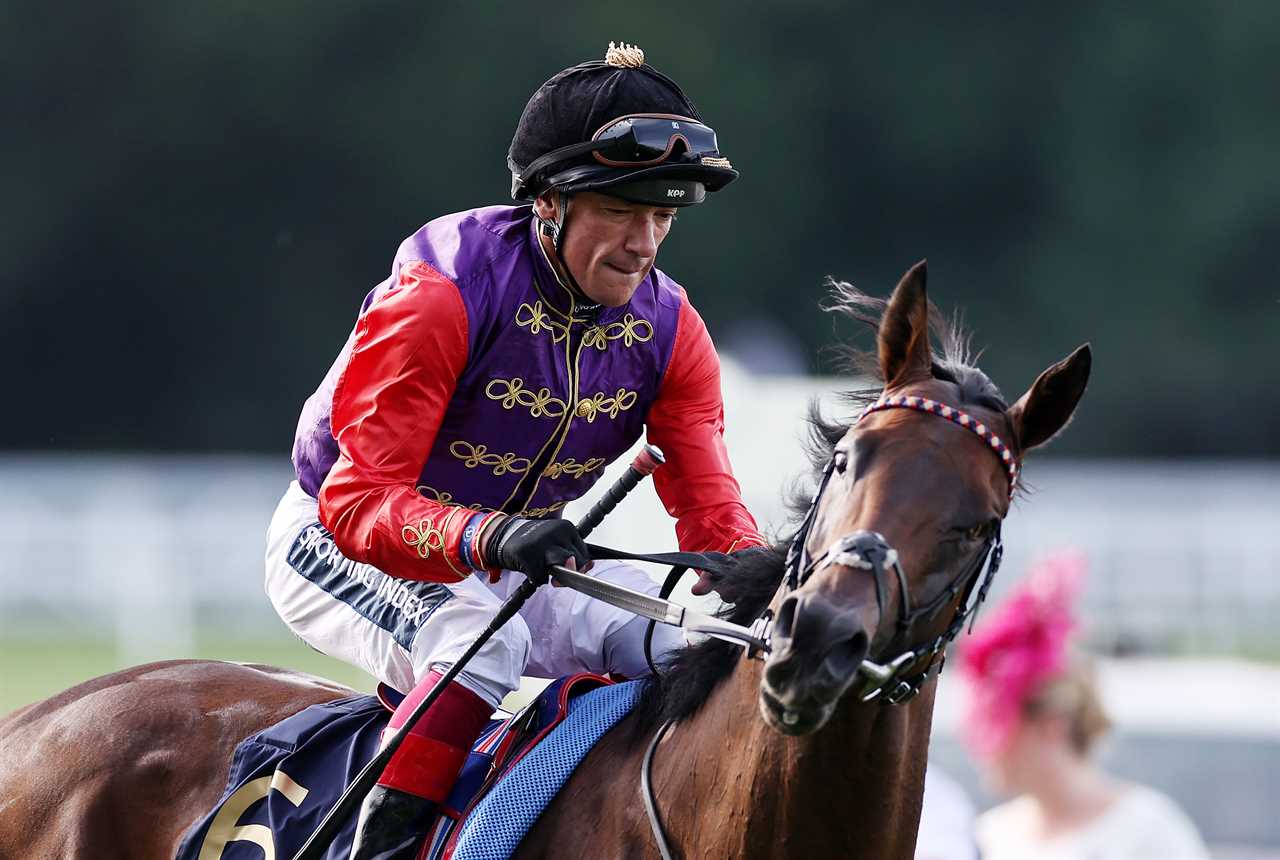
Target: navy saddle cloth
{"x":284,"y":779}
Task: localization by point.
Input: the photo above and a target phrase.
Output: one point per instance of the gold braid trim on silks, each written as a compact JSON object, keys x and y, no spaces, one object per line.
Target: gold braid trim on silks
{"x":512,"y":393}
{"x":426,"y":537}
{"x":446,"y":498}
{"x":541,"y":404}
{"x":473,"y":456}
{"x":630,"y":330}
{"x":542,"y":512}
{"x":599,"y":404}
{"x":535,"y":316}
{"x":572,"y":468}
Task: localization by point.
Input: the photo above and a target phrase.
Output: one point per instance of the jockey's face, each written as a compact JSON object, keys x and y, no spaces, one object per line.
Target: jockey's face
{"x":609,"y":244}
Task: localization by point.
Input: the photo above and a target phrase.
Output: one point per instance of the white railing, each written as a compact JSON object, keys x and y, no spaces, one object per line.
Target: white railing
{"x":1183,"y":554}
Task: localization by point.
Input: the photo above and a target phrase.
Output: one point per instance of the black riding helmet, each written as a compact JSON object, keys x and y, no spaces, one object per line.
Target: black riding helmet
{"x":619,"y":127}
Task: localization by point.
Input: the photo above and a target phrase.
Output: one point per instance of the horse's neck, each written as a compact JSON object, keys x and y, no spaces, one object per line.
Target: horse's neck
{"x":731,"y":786}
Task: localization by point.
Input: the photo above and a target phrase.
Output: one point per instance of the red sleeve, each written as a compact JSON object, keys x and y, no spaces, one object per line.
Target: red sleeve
{"x":409,"y":348}
{"x":687,"y":422}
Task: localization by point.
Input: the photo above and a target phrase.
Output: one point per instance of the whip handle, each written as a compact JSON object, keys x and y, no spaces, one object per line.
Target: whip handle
{"x":649,"y":459}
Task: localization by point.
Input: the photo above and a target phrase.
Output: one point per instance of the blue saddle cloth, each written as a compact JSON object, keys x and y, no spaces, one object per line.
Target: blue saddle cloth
{"x":284,"y":779}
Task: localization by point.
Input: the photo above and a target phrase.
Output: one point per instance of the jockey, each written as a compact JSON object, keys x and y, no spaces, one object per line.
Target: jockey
{"x":510,"y":356}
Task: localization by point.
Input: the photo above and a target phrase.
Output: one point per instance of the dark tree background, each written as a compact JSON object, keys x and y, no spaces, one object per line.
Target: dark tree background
{"x":197,"y":195}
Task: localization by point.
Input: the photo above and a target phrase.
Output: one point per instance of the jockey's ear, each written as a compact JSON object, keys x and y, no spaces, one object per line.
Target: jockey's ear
{"x":547,"y":205}
{"x":1050,"y":402}
{"x":904,"y":331}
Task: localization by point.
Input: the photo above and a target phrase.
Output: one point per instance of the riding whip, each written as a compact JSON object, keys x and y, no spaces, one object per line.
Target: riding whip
{"x":649,"y":459}
{"x":753,"y":638}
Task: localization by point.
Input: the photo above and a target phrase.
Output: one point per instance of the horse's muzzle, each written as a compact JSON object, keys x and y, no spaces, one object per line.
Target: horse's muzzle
{"x":817,"y":649}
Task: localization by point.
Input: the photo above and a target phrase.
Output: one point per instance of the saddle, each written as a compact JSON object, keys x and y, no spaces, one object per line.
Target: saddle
{"x":284,"y":779}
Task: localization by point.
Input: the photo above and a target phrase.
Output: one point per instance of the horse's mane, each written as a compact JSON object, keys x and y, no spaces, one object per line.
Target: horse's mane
{"x":684,"y":684}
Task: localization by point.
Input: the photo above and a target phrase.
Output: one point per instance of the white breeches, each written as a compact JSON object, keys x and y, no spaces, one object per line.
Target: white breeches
{"x":397,"y":629}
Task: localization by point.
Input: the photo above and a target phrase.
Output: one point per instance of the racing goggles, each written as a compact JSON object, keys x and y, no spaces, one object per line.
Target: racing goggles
{"x":646,"y":139}
{"x":637,"y":140}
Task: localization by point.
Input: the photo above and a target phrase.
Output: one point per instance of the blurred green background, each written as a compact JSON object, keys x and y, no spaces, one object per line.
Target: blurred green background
{"x":198,"y":195}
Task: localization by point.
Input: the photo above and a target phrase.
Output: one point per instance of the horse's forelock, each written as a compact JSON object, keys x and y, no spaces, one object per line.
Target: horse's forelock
{"x":954,"y":362}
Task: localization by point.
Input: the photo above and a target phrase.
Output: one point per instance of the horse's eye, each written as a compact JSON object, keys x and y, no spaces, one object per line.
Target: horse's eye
{"x":977,"y":533}
{"x":841,"y":461}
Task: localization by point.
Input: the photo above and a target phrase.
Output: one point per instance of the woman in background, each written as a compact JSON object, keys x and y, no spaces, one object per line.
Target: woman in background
{"x":1035,"y":718}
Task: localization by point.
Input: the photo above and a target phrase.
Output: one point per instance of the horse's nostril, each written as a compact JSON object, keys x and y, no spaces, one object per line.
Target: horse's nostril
{"x":847,"y":655}
{"x":784,"y":622}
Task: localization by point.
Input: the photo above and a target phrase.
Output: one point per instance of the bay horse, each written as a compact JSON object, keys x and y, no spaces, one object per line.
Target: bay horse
{"x":818,"y":750}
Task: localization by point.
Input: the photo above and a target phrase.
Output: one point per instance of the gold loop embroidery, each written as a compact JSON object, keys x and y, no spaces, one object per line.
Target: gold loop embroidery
{"x":535,"y":316}
{"x":413,"y":534}
{"x":611,"y":406}
{"x":629,"y":330}
{"x":542,"y":512}
{"x":512,"y":393}
{"x":478,"y":455}
{"x":424,"y":537}
{"x":572,"y":468}
{"x":446,"y":498}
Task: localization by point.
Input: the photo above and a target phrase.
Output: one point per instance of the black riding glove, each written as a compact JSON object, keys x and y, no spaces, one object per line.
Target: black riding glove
{"x":531,"y":546}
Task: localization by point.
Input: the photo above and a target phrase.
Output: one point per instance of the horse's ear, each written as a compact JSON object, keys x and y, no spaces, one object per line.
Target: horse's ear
{"x":1049,"y":403}
{"x":904,"y":330}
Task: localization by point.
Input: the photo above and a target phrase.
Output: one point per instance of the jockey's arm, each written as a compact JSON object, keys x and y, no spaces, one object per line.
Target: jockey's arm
{"x":686,"y":421}
{"x":409,"y":348}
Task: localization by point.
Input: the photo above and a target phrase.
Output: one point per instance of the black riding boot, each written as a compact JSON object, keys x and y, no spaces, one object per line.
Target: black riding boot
{"x":392,"y":825}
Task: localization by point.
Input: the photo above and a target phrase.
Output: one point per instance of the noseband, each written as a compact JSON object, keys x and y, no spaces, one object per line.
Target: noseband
{"x":899,"y":678}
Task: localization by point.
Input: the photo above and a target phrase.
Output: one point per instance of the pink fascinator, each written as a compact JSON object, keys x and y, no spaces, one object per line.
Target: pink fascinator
{"x":1019,"y":646}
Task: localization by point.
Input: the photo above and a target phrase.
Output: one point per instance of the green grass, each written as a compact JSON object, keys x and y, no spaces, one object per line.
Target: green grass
{"x":34,"y":669}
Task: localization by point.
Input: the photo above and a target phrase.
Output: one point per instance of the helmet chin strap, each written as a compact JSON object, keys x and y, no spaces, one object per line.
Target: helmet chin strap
{"x":554,"y":229}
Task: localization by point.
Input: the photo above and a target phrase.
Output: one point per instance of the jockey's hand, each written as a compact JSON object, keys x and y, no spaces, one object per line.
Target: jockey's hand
{"x":532,"y":546}
{"x":722,"y":583}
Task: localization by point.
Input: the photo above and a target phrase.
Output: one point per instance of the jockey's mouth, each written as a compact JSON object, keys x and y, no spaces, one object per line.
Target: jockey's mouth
{"x":631,"y":273}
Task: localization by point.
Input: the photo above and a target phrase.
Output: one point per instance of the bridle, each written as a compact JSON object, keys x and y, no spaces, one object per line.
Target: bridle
{"x":908,"y":670}
{"x":897,"y":679}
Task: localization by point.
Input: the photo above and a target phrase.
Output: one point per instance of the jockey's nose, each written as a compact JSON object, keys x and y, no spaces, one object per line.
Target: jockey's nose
{"x":643,"y":237}
{"x":816,"y":643}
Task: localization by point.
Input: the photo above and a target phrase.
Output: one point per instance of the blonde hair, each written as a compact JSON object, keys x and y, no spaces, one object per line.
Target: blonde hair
{"x":1073,"y":695}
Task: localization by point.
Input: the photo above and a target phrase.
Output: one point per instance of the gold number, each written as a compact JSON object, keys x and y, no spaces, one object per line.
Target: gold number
{"x":224,"y":828}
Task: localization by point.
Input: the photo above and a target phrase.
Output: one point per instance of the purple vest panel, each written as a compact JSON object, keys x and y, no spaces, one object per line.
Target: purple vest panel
{"x":552,"y":391}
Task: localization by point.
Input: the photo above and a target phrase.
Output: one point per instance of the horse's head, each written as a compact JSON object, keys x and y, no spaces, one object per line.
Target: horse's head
{"x":907,"y":515}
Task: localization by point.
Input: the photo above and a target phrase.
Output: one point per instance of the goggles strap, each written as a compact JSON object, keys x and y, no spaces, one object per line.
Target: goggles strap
{"x":556,"y":156}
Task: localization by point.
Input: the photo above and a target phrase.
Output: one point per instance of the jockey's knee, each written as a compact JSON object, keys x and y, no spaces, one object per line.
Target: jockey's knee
{"x":624,"y":647}
{"x":496,"y":668}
